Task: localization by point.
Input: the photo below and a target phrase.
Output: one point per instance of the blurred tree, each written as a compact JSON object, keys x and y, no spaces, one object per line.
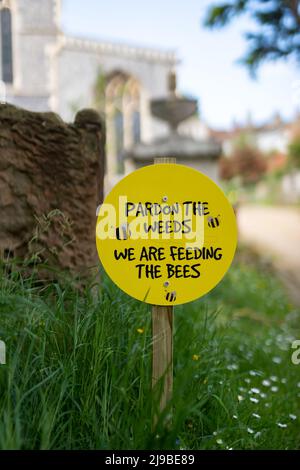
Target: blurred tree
{"x":294,"y":152}
{"x":247,"y":162}
{"x":278,"y":34}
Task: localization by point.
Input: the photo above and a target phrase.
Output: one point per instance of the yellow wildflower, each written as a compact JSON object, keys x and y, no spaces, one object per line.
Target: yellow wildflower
{"x":195,"y":357}
{"x":140,"y":330}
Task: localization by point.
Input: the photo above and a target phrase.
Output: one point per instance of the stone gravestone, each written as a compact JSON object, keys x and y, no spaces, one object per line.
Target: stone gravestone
{"x":51,"y":182}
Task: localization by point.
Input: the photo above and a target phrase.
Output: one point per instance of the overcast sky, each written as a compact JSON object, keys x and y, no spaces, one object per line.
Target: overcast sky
{"x":208,"y":68}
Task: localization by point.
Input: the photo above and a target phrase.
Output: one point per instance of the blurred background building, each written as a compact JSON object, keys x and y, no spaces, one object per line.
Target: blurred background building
{"x":45,"y":70}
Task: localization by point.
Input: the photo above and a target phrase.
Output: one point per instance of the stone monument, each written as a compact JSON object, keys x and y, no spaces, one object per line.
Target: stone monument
{"x":201,"y":154}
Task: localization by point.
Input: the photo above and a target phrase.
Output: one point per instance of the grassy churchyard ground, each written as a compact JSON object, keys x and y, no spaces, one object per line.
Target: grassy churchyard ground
{"x":78,"y":366}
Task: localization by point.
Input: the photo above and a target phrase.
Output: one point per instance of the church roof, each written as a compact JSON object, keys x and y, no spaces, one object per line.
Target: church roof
{"x":121,"y":49}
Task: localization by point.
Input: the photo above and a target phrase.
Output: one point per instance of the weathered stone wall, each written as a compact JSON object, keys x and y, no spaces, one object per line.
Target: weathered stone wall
{"x":51,"y":182}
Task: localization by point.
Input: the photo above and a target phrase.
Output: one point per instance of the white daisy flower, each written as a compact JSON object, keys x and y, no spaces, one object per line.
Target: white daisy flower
{"x":282,"y":425}
{"x":232,"y":367}
{"x":255,"y":373}
{"x":255,"y":390}
{"x":266,"y":383}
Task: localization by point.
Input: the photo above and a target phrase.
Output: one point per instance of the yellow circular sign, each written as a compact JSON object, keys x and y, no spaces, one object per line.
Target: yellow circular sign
{"x":166,"y":234}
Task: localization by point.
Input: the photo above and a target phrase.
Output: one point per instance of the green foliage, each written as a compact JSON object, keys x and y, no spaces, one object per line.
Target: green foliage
{"x":294,"y":152}
{"x":100,"y":87}
{"x":78,"y":372}
{"x":246,"y":162}
{"x":278,"y":32}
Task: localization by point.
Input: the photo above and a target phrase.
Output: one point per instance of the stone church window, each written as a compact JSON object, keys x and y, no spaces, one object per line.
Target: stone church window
{"x":119,"y":139}
{"x":6,"y":45}
{"x":136,"y":126}
{"x":122,"y":110}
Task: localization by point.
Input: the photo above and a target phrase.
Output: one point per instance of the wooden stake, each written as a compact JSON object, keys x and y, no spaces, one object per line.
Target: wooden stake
{"x":162,"y":354}
{"x":162,"y":358}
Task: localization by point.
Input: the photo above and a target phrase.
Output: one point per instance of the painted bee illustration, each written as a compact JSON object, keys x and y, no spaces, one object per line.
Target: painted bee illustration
{"x":171,"y":296}
{"x":123,"y":232}
{"x":213,"y":222}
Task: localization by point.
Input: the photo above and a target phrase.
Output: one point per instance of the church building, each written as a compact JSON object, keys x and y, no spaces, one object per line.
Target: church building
{"x":42,"y":69}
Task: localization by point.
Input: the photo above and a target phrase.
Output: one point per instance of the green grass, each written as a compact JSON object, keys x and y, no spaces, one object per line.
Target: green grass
{"x":78,"y":373}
